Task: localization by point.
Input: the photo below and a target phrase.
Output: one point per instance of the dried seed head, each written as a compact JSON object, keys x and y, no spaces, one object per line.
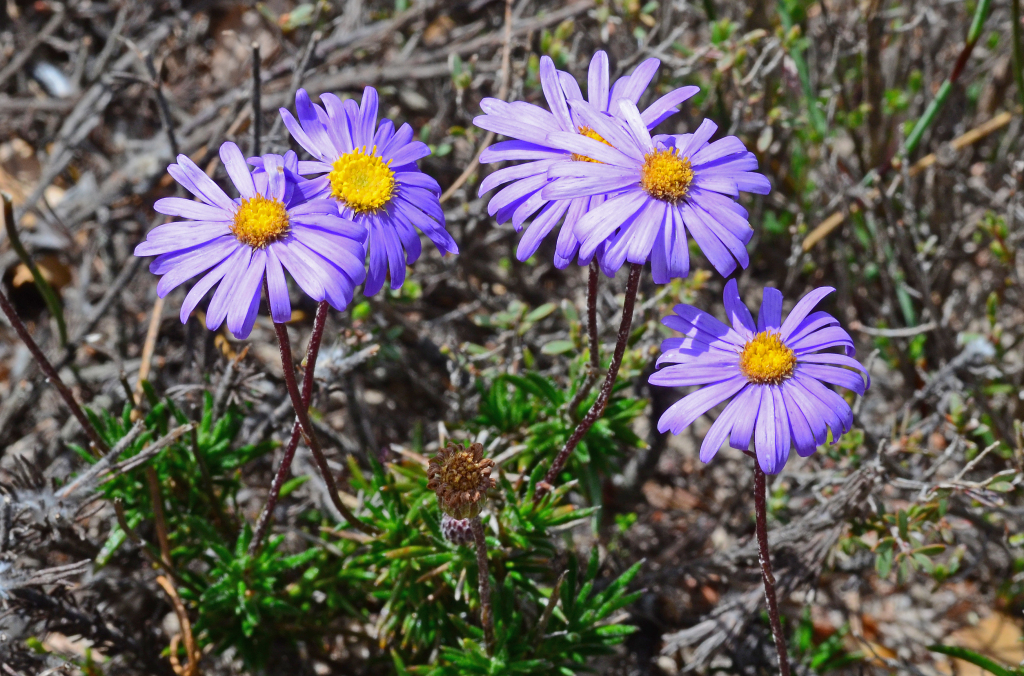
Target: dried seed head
{"x":460,"y":477}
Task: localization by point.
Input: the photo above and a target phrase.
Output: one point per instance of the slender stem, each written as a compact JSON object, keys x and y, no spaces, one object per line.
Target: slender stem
{"x":158,"y":515}
{"x":51,"y":373}
{"x":761,"y":525}
{"x":930,"y":113}
{"x":289,"y":453}
{"x":161,"y":102}
{"x":310,"y":435}
{"x":52,"y":302}
{"x":1018,"y":48}
{"x":601,"y":402}
{"x":595,"y":348}
{"x":483,"y":574}
{"x":256,"y":106}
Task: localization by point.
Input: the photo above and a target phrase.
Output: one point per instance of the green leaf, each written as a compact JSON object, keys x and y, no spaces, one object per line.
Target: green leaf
{"x":556,"y":347}
{"x":541,"y":312}
{"x":974,"y":658}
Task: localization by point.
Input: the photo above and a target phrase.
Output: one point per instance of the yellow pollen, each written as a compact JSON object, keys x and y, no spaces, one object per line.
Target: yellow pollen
{"x":362,"y":180}
{"x":666,"y":176}
{"x":589,"y":133}
{"x":260,"y":221}
{"x":766,"y":360}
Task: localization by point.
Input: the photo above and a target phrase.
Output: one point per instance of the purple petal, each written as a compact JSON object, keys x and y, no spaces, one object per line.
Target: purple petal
{"x":367,"y":118}
{"x":716,"y":252}
{"x":238,"y":170}
{"x":731,"y":242}
{"x":770,"y":314}
{"x":504,"y":151}
{"x":721,"y":213}
{"x":410,"y":242}
{"x":802,"y":309}
{"x":554,"y":94}
{"x":637,"y":129}
{"x":431,"y":228}
{"x":765,"y":434}
{"x":301,"y":267}
{"x":181,"y":266}
{"x":696,"y":141}
{"x":720,"y":430}
{"x":706,"y":323}
{"x":378,"y":260}
{"x":681,"y":414}
{"x":242,"y":314}
{"x":201,"y":184}
{"x":595,"y":227}
{"x":417,"y":179}
{"x":831,"y":336}
{"x":837,"y":360}
{"x":836,"y":376}
{"x":814,"y":322}
{"x":665,"y":107}
{"x":746,"y":417}
{"x":217,"y":311}
{"x":323,"y":148}
{"x":840,"y":417}
{"x":803,"y":437}
{"x":597,"y":81}
{"x":588,"y":147}
{"x":686,"y":375}
{"x":738,"y":314}
{"x":180,"y":235}
{"x":344,"y":253}
{"x":200,"y":289}
{"x":610,"y":129}
{"x":513,"y":173}
{"x":277,"y":289}
{"x":409,"y":153}
{"x":638,"y":81}
{"x":718,"y":149}
{"x":197,"y":211}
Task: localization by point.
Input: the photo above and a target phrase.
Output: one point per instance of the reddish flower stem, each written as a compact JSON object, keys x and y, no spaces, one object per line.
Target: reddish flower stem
{"x":312,"y":351}
{"x":595,"y":349}
{"x":604,"y":395}
{"x":483,"y":574}
{"x":761,"y":526}
{"x":51,"y":373}
{"x":307,"y":429}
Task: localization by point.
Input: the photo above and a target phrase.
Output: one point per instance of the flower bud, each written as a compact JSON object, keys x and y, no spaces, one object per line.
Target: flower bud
{"x":457,"y":531}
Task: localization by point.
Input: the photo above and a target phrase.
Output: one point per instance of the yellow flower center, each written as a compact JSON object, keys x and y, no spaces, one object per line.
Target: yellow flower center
{"x":589,"y":133}
{"x":260,"y":221}
{"x":766,"y":360}
{"x":362,"y":180}
{"x":665,"y":175}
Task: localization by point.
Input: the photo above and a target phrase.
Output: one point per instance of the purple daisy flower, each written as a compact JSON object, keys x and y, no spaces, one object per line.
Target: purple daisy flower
{"x":371,"y":172}
{"x":271,"y":228}
{"x":664,"y":186}
{"x":530,"y":125}
{"x":772,"y":370}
